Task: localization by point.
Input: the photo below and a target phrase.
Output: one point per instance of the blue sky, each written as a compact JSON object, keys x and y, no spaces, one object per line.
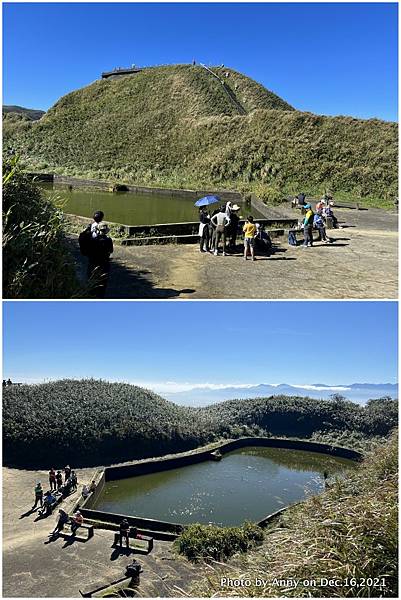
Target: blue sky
{"x":326,"y":58}
{"x":153,"y":343}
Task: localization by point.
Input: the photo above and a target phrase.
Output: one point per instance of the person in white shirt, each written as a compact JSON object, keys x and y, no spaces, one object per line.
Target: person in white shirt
{"x":220,"y":220}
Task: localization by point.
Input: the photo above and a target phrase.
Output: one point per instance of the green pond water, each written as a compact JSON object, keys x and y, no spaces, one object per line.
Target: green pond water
{"x":132,"y":209}
{"x":246,"y":484}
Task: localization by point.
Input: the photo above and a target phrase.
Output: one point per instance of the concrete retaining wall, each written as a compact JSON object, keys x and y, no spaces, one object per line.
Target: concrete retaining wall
{"x":165,"y":530}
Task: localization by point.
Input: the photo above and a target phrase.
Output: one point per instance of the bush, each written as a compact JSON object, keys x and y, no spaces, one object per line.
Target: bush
{"x":209,"y":541}
{"x":36,"y":262}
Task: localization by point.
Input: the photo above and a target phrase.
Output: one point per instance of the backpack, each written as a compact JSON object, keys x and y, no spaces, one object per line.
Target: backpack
{"x":85,"y":241}
{"x":292,"y":240}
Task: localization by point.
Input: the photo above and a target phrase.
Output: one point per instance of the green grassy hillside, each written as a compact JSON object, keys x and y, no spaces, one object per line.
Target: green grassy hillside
{"x":93,"y":422}
{"x":180,"y":126}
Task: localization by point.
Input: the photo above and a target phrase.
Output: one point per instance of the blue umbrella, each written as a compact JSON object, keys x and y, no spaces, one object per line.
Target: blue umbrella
{"x":206,"y":200}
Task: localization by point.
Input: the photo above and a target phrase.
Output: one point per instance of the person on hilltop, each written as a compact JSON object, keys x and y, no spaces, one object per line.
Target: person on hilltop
{"x":204,"y":232}
{"x":52,"y":479}
{"x":38,"y":495}
{"x":308,"y":226}
{"x":221,"y":221}
{"x":99,"y":260}
{"x":249,"y":230}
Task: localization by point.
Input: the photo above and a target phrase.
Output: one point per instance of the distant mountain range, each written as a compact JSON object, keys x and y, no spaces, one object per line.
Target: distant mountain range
{"x":357,"y":392}
{"x":31,"y":113}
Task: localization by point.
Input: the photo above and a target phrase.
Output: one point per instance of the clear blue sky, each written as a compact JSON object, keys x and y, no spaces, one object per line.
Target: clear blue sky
{"x":198,"y":342}
{"x":325,"y":58}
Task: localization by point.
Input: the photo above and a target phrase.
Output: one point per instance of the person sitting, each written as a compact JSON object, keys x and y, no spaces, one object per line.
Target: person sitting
{"x":66,"y":488}
{"x":262,"y":239}
{"x":320,"y":206}
{"x":318,"y":223}
{"x":63,"y":518}
{"x":76,"y":521}
{"x":48,"y":502}
{"x":124,"y":533}
{"x":85,"y":491}
{"x":92,"y":486}
{"x":329,"y":215}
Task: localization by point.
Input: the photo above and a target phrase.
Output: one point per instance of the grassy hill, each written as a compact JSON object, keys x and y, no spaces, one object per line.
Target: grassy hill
{"x":183,"y":126}
{"x":93,"y":422}
{"x":30,"y":114}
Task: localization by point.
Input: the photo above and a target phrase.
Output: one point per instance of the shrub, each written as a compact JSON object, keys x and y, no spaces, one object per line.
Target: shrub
{"x":209,"y":541}
{"x":36,"y":262}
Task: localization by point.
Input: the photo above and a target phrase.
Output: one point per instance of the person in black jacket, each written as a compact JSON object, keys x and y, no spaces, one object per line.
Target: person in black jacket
{"x":101,"y":248}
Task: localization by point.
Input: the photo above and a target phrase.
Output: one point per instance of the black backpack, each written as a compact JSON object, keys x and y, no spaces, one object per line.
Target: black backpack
{"x":85,"y":241}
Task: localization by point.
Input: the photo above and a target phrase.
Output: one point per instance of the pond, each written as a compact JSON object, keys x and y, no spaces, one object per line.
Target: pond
{"x":130,"y":208}
{"x":249,"y":483}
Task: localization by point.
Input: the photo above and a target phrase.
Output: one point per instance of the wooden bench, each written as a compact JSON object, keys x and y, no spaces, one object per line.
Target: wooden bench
{"x":137,"y":537}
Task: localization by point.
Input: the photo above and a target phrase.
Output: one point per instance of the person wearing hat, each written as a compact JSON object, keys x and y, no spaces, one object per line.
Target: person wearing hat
{"x":76,"y":521}
{"x":233,"y":227}
{"x":308,"y":226}
{"x":99,"y":260}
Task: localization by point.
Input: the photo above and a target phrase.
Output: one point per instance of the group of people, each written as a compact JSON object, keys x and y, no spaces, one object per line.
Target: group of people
{"x":97,"y":246}
{"x":59,"y":488}
{"x":223,"y":225}
{"x":316,"y":220}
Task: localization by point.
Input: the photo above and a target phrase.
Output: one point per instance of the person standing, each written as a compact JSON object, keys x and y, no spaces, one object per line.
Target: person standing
{"x":52,"y":479}
{"x":319,"y":224}
{"x":59,"y":479}
{"x":249,"y":230}
{"x":124,"y":533}
{"x":67,"y":472}
{"x":38,"y":495}
{"x":308,"y":226}
{"x":204,"y":222}
{"x":220,"y":220}
{"x":99,"y":260}
{"x":233,"y":227}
